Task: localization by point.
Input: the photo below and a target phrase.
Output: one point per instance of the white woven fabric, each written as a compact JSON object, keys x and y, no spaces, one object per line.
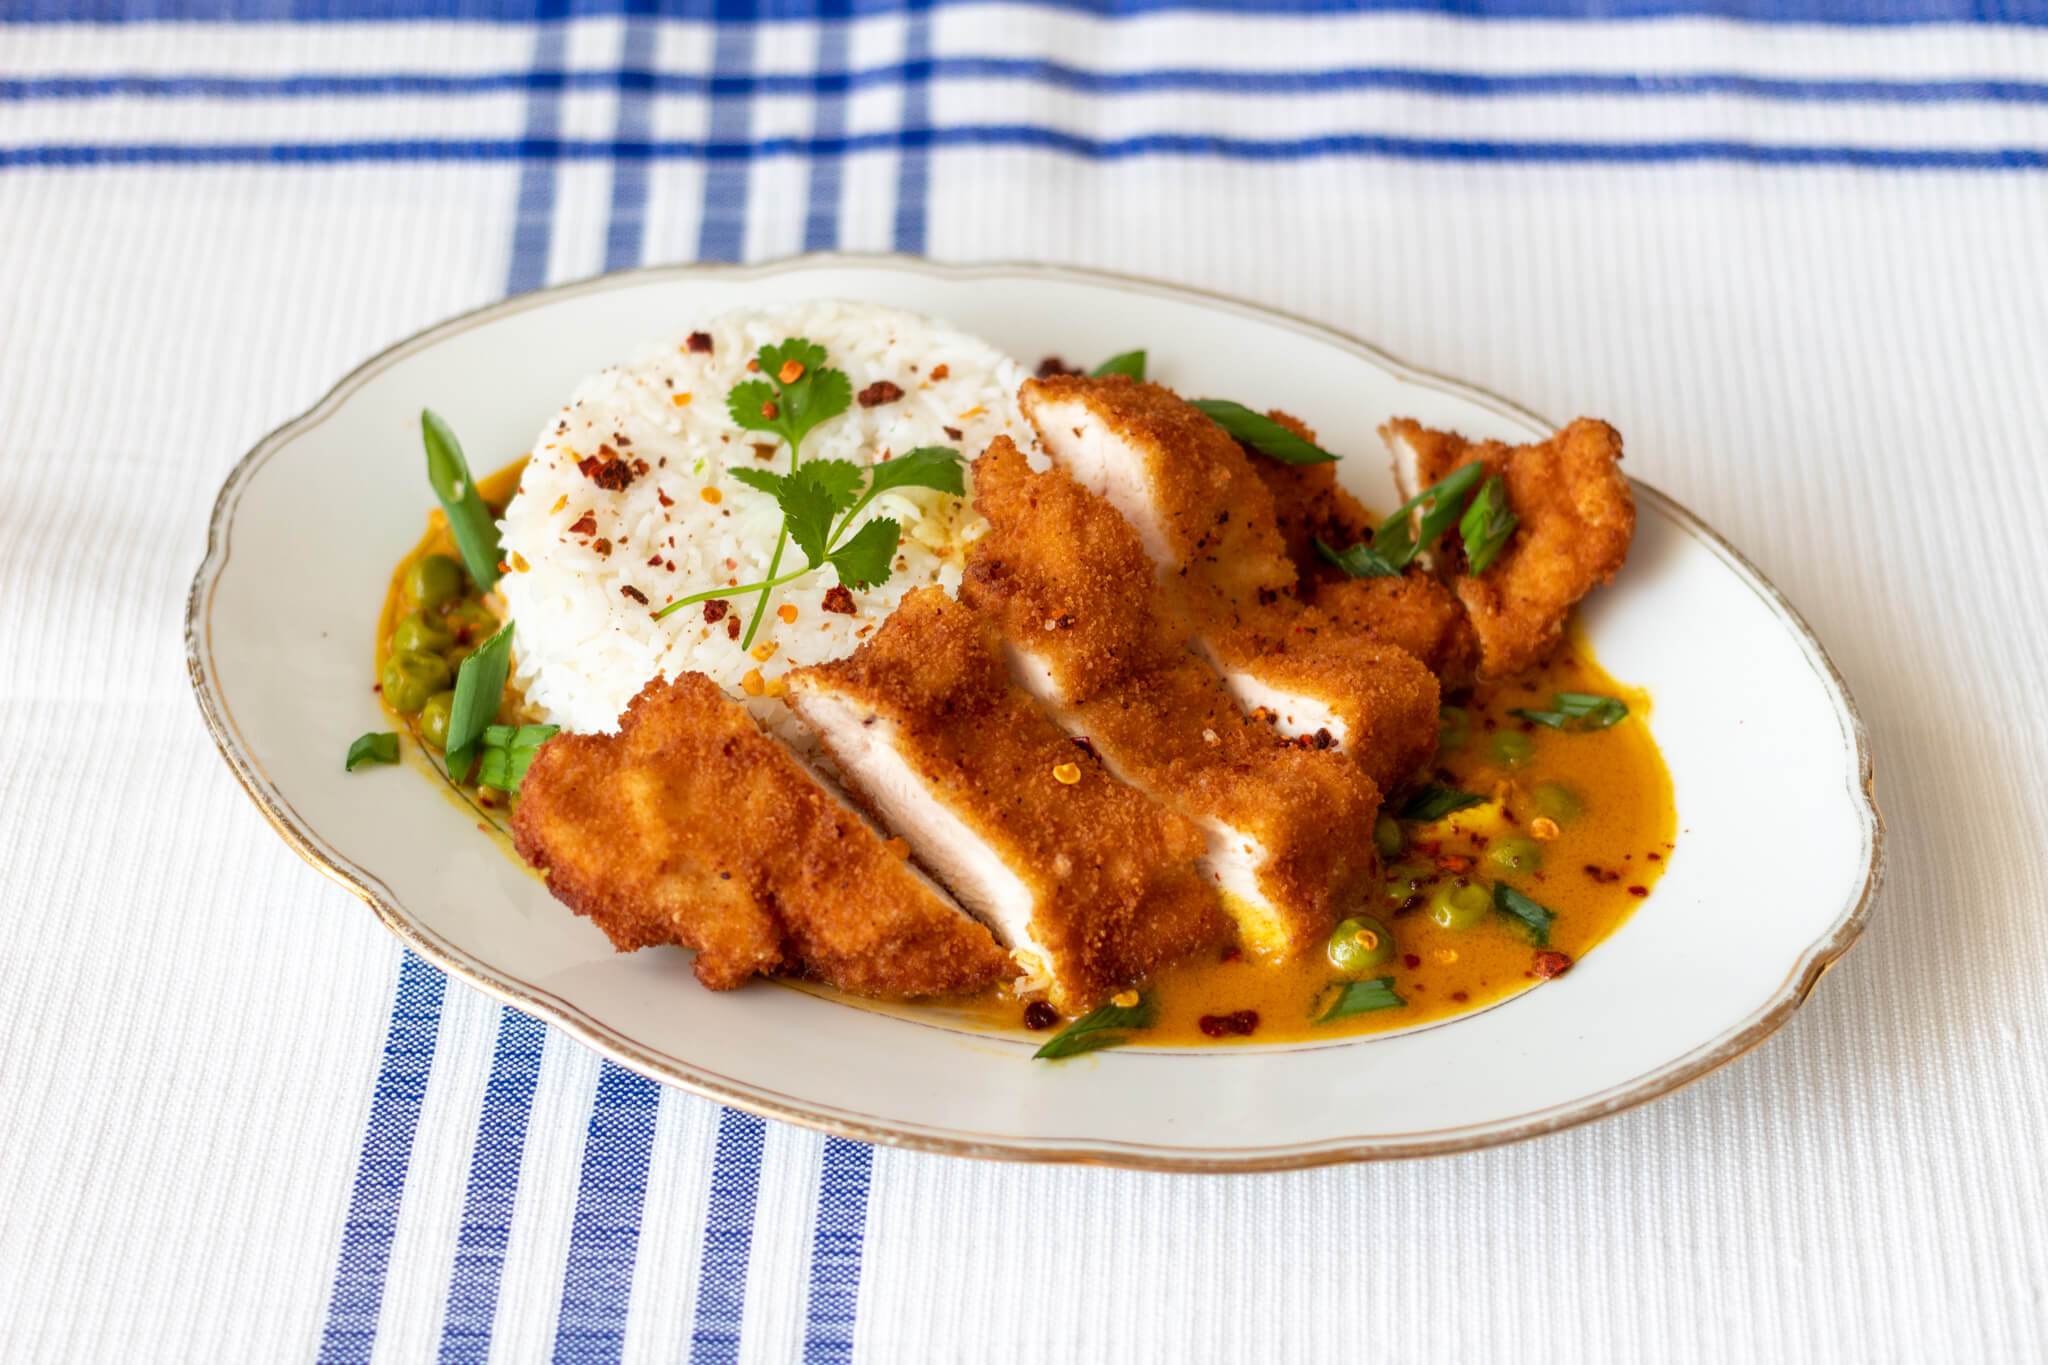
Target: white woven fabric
{"x":1843,"y":369}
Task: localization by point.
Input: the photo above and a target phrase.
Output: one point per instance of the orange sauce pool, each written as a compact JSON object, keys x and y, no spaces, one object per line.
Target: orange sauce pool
{"x":1601,"y":865}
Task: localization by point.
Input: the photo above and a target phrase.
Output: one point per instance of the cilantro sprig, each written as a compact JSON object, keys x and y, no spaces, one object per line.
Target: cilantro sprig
{"x":820,"y":503}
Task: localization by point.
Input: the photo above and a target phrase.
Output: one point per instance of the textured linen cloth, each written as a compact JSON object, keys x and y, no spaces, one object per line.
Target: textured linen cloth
{"x":1797,"y":250}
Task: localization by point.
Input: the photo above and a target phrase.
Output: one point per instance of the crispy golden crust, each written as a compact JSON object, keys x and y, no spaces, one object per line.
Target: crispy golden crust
{"x":1577,"y":518}
{"x":1216,"y":514}
{"x":1112,"y":872}
{"x":1414,"y":612}
{"x":691,"y":826}
{"x":1310,"y":505}
{"x":1057,"y":553}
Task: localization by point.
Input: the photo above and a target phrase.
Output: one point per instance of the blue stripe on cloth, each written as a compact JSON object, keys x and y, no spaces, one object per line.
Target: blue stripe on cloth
{"x":533,"y":229}
{"x":914,"y":169}
{"x":626,"y":230}
{"x":494,"y":1165}
{"x":604,"y":1238}
{"x":1845,"y":12}
{"x":832,"y":79}
{"x":358,"y":1292}
{"x":1382,"y":146}
{"x":728,"y":1238}
{"x":828,"y":121}
{"x":836,"y":1243}
{"x":722,"y":228}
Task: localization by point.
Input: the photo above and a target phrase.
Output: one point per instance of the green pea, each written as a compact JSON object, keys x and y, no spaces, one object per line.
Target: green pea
{"x":1556,"y":801}
{"x":409,"y":679}
{"x":1359,"y":944}
{"x":431,"y":580}
{"x":1387,"y":837}
{"x":1453,"y":728}
{"x":1405,"y":880}
{"x":1460,"y":905}
{"x":434,"y":718}
{"x":1515,"y":854}
{"x":420,"y":633}
{"x":472,"y":621}
{"x":1512,"y":748}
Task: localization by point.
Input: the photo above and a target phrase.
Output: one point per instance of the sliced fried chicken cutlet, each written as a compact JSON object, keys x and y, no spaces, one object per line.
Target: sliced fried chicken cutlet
{"x":1414,"y":612}
{"x":1577,"y":518}
{"x":1092,"y":636}
{"x":691,"y":826}
{"x":1092,"y":883}
{"x":1208,"y":523}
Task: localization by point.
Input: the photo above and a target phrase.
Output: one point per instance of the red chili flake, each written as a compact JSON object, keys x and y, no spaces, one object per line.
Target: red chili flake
{"x":1454,"y":863}
{"x":1238,"y":1025}
{"x":655,"y":562}
{"x":1654,"y":857}
{"x":700,"y":342}
{"x":1039,"y":1016}
{"x":840,"y":599}
{"x":940,"y":371}
{"x":953,"y":432}
{"x":1551,"y":963}
{"x":769,"y":410}
{"x":880,"y":392}
{"x":585,"y":525}
{"x":715,"y":610}
{"x":732,"y":627}
{"x":1084,"y":744}
{"x":1460,"y":996}
{"x":763,"y":450}
{"x":630,"y":591}
{"x":1052,"y":365}
{"x":1231,"y":954}
{"x":606,"y":469}
{"x":1410,"y":961}
{"x":640,"y":467}
{"x":1639,"y":891}
{"x":1324,"y":739}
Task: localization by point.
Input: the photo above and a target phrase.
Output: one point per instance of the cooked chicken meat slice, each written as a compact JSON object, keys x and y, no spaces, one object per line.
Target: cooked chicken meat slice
{"x":1577,"y":517}
{"x":1091,"y":884}
{"x":1207,"y":521}
{"x":691,"y":826}
{"x":1089,"y":631}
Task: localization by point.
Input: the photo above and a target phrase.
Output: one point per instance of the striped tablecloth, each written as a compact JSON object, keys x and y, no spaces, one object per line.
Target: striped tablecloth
{"x":1796,"y":249}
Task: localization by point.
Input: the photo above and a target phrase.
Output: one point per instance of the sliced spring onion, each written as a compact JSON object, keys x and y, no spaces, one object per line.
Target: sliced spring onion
{"x":1357,"y":997}
{"x":508,"y":751}
{"x":1433,"y":801}
{"x":378,"y":746}
{"x":469,"y":521}
{"x":1400,"y":537}
{"x":1577,"y":711}
{"x":1487,"y":524}
{"x":1533,"y":916}
{"x":479,"y":687}
{"x":1262,"y":433}
{"x":1130,"y":363}
{"x":1360,"y":561}
{"x":1108,"y":1026}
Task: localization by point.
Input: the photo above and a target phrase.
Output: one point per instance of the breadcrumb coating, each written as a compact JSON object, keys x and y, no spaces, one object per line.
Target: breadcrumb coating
{"x":691,"y":826}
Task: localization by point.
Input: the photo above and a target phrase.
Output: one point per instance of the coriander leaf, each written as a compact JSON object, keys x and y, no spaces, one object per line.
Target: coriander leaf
{"x":925,"y":467}
{"x":1487,"y":524}
{"x":1130,"y":363}
{"x":765,"y":480}
{"x":750,"y":403}
{"x":838,"y":480}
{"x":807,"y":509}
{"x":469,"y":521}
{"x":1262,"y":433}
{"x":1400,"y":538}
{"x":1534,"y":917}
{"x":1105,"y":1027}
{"x":1577,"y":711}
{"x":1360,"y":561}
{"x":1347,"y":998}
{"x":374,"y":747}
{"x":479,"y":688}
{"x":1433,"y":801}
{"x":863,"y":561}
{"x":813,"y":394}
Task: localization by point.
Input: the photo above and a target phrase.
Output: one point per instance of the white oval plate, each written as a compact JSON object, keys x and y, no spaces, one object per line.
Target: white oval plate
{"x":1779,"y":850}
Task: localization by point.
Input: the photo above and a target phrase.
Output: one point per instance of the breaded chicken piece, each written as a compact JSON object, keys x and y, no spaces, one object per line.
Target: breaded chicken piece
{"x":1207,"y":522}
{"x":1310,"y":505}
{"x":1414,"y":612}
{"x":691,"y":826}
{"x":1090,"y":883}
{"x":1577,"y":518}
{"x":1093,"y":637}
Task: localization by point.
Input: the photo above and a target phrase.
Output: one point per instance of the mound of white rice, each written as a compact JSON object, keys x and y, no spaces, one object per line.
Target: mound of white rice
{"x":583,"y":555}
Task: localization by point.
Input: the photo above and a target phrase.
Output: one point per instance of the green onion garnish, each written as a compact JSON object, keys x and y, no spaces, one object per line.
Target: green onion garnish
{"x":1487,"y":524}
{"x":469,"y":521}
{"x":1577,"y":711}
{"x":1262,"y":433}
{"x":1360,"y":561}
{"x":1400,"y":539}
{"x":507,"y":751}
{"x":1108,"y":1026}
{"x":479,"y":688}
{"x":1534,"y":917}
{"x":1130,"y":363}
{"x":1357,"y":997}
{"x":1433,"y":801}
{"x":378,"y":746}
